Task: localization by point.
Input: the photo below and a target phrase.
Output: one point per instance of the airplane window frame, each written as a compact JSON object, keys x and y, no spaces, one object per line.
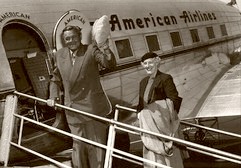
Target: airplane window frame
{"x":125,"y":47}
{"x":223,"y":30}
{"x":210,"y":32}
{"x":195,"y":35}
{"x":157,"y":42}
{"x":176,"y":40}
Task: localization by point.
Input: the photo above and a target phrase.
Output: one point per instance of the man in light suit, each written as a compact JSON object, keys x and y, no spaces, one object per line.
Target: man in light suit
{"x":76,"y":72}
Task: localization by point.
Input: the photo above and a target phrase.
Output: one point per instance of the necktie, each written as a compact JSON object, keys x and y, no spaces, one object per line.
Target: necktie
{"x":73,"y":58}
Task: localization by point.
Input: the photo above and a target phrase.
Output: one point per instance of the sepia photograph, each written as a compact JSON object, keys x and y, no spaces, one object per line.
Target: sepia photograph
{"x":120,"y":84}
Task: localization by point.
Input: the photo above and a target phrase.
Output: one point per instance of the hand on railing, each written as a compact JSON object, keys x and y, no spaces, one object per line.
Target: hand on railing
{"x":138,"y":115}
{"x":51,"y":102}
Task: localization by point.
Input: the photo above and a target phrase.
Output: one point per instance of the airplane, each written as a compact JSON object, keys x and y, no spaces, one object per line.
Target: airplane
{"x":197,"y":41}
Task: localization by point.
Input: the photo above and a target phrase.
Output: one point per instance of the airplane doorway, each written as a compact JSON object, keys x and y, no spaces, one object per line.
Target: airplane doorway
{"x":26,"y":49}
{"x":20,"y":38}
{"x":22,"y":43}
{"x":28,"y":53}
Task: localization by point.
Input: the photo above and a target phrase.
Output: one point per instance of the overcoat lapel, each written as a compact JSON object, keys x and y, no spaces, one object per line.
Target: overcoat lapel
{"x":155,"y":84}
{"x":143,"y":86}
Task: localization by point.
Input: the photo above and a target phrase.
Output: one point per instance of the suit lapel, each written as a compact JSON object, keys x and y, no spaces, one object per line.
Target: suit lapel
{"x":66,"y":63}
{"x":79,"y":65}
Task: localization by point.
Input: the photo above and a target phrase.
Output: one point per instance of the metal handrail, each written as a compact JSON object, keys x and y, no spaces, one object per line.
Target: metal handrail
{"x":41,"y":155}
{"x":191,"y":124}
{"x":201,"y":151}
{"x":204,"y":149}
{"x":111,"y":121}
{"x":78,"y":138}
{"x":212,"y":129}
{"x":64,"y":107}
{"x":215,"y":152}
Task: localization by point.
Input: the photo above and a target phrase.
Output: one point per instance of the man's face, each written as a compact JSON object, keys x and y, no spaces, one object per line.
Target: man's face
{"x":150,"y":65}
{"x":72,"y":39}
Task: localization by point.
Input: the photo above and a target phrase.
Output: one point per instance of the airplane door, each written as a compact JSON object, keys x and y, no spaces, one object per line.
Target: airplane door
{"x":24,"y":64}
{"x":74,"y":18}
{"x":18,"y":39}
{"x":6,"y":80}
{"x":23,"y":43}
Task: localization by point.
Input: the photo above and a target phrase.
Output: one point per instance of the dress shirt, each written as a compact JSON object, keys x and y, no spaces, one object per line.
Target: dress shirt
{"x":73,"y":55}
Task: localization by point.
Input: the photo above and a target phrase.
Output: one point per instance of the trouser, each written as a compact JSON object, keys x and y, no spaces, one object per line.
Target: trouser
{"x":85,"y":155}
{"x":147,"y":154}
{"x":175,"y":161}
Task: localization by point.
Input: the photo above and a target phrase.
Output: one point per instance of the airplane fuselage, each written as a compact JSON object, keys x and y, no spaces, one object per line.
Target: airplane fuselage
{"x":194,"y":39}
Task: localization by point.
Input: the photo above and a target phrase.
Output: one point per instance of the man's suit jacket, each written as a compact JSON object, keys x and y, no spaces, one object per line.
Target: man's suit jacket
{"x":162,"y":88}
{"x":81,"y":82}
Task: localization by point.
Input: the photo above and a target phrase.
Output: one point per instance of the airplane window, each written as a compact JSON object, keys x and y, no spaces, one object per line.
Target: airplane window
{"x":176,"y":39}
{"x":124,"y":48}
{"x":152,"y":43}
{"x":223,"y":30}
{"x":210,"y":32}
{"x":195,"y":36}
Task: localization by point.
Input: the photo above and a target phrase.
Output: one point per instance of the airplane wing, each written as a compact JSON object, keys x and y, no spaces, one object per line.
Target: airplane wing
{"x":225,"y":97}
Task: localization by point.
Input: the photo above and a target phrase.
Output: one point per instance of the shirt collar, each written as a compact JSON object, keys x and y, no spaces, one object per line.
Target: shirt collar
{"x":73,"y":53}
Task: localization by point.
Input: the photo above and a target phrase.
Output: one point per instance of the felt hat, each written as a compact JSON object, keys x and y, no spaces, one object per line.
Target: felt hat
{"x":148,"y":55}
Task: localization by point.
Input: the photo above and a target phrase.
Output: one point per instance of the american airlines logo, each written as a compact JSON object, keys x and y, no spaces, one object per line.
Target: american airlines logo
{"x":75,"y":17}
{"x":13,"y":15}
{"x":155,"y":21}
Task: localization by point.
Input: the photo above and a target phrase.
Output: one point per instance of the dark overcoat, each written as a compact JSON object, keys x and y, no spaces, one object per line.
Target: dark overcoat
{"x":162,"y":88}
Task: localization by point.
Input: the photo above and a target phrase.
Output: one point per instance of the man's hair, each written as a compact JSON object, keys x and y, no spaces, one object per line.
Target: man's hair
{"x":77,"y":29}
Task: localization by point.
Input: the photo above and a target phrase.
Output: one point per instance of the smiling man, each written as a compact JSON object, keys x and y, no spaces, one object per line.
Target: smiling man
{"x":76,"y":74}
